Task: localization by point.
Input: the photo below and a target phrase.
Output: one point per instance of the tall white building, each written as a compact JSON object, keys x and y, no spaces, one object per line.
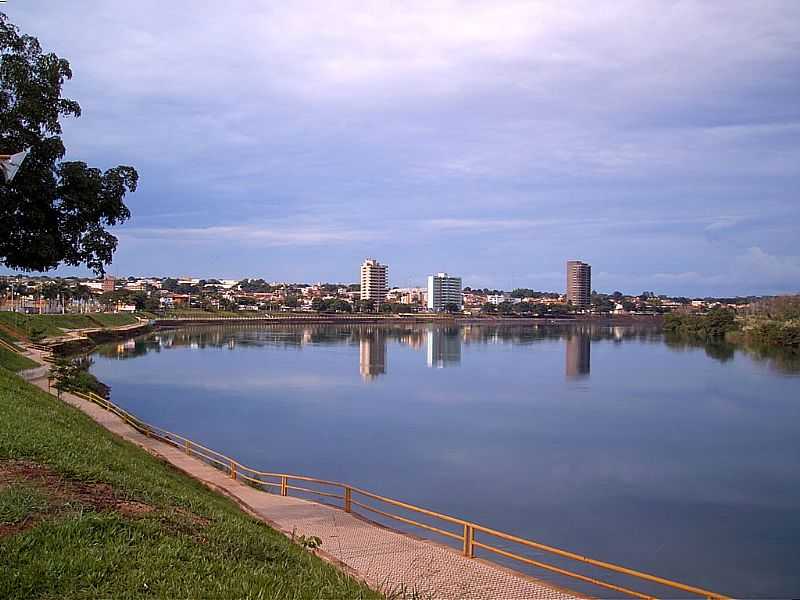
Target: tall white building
{"x":444,"y":290}
{"x":374,"y":281}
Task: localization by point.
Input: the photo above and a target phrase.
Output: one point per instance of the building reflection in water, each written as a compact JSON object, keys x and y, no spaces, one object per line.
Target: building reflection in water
{"x":578,"y":351}
{"x":444,"y":347}
{"x":372,"y":353}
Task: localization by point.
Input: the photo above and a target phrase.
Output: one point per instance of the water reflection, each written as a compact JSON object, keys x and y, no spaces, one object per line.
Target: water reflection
{"x":372,"y":354}
{"x":578,"y":353}
{"x":444,"y":347}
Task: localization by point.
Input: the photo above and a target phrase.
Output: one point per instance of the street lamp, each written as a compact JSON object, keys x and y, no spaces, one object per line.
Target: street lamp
{"x":10,"y":164}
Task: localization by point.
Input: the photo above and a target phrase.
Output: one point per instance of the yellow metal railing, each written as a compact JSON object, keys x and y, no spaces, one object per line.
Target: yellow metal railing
{"x":352,"y":497}
{"x":9,"y":346}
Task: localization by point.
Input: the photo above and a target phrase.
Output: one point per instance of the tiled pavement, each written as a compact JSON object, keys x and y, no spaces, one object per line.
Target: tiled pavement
{"x":383,"y":558}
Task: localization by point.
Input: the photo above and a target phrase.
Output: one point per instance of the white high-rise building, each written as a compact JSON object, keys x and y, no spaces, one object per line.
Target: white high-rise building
{"x":443,"y":291}
{"x":374,"y":281}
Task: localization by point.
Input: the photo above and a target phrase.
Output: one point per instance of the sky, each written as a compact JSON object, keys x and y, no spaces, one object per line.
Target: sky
{"x":658,"y":141}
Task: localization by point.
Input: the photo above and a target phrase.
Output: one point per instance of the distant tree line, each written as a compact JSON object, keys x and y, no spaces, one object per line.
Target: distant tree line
{"x":775,"y":322}
{"x":710,"y":326}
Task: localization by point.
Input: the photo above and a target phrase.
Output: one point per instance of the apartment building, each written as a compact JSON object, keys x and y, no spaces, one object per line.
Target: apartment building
{"x":374,"y":281}
{"x":579,"y":283}
{"x":444,"y":290}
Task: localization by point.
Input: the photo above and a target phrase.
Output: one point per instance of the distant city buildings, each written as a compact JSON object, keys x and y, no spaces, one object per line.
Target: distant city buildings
{"x":444,"y":291}
{"x":47,"y":294}
{"x":498,"y":299}
{"x":579,"y":283}
{"x":413,"y":295}
{"x":374,"y":281}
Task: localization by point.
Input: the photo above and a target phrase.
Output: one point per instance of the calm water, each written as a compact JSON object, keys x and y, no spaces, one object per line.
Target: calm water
{"x":610,"y":442}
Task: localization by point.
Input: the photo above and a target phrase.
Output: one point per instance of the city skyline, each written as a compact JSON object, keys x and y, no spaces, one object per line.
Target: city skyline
{"x":296,"y":150}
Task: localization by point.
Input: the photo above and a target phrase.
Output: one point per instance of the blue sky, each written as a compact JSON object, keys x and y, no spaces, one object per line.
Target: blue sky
{"x":659,"y":141}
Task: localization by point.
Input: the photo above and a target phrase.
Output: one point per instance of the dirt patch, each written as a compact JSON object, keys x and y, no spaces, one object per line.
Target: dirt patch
{"x":6,"y":529}
{"x":133,"y":509}
{"x":59,"y":490}
{"x":66,"y":495}
{"x":193,"y":518}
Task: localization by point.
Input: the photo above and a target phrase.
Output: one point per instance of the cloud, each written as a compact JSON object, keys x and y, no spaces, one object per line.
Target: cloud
{"x":485,"y":225}
{"x":263,"y":234}
{"x":776,"y":271}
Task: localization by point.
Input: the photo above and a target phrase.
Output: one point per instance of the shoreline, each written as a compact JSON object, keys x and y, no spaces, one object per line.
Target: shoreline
{"x":418,"y":319}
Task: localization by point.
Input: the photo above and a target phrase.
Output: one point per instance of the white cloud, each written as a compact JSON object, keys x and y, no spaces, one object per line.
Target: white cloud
{"x":484,"y":225}
{"x":279,"y":233}
{"x":781,"y":272}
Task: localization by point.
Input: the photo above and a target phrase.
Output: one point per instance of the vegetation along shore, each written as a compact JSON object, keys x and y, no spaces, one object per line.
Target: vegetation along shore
{"x":770,"y":323}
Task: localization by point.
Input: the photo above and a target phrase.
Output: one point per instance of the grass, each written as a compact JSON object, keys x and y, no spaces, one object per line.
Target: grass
{"x":217,"y":314}
{"x":37,"y":326}
{"x":192,"y":544}
{"x":15,"y":362}
{"x":6,"y":336}
{"x":19,"y":502}
{"x":113,"y":319}
{"x":144,"y":314}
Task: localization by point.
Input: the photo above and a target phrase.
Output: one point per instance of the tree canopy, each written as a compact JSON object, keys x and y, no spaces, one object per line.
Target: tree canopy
{"x":54,"y":211}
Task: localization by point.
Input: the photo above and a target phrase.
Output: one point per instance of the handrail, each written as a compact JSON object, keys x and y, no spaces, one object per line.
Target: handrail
{"x":9,"y":346}
{"x":470,"y":529}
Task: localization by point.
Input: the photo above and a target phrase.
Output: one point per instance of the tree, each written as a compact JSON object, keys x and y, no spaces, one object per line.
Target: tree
{"x":53,"y":212}
{"x":365,"y":306}
{"x":489,"y":308}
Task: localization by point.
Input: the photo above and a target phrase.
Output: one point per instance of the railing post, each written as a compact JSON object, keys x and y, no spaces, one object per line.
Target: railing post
{"x":348,"y":496}
{"x":233,"y":470}
{"x":469,"y":539}
{"x":284,"y":484}
{"x":187,"y":447}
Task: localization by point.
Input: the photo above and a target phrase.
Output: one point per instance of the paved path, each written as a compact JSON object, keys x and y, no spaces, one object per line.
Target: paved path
{"x":385,"y":559}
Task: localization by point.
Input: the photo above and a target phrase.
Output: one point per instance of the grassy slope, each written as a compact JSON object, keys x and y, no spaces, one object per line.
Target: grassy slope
{"x":53,"y":325}
{"x":88,"y":554}
{"x":6,"y":336}
{"x":15,"y":362}
{"x":113,"y":319}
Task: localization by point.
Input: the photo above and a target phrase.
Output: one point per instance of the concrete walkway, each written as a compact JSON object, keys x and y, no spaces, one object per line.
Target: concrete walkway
{"x":384,"y":559}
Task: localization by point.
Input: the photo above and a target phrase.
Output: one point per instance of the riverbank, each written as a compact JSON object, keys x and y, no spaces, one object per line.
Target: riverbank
{"x":35,"y":460}
{"x":86,"y":514}
{"x":333,"y":319}
{"x":778,"y":330}
{"x":70,"y":334}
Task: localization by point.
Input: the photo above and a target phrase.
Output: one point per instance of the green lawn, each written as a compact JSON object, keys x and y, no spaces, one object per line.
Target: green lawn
{"x":6,"y":336}
{"x":34,"y":326}
{"x":15,"y":362}
{"x":189,"y":543}
{"x":113,"y":319}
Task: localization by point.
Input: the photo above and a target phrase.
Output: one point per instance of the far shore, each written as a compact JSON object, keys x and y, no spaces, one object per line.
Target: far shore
{"x":416,"y":318}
